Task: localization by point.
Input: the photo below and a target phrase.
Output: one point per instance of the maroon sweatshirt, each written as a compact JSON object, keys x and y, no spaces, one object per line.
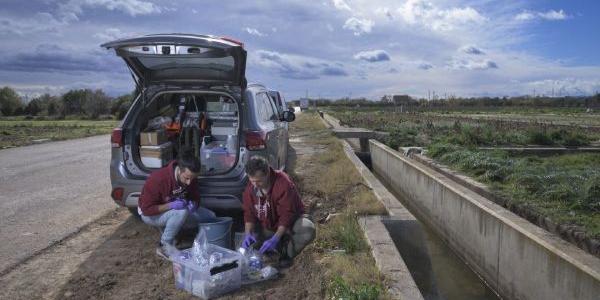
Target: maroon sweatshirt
{"x":281,"y":207}
{"x":162,"y":187}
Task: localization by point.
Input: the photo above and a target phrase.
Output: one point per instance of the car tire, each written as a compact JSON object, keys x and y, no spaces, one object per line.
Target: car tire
{"x":134,"y":212}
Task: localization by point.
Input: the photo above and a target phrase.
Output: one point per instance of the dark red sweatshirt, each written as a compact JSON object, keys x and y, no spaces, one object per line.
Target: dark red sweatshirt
{"x":280,"y":208}
{"x":162,"y":187}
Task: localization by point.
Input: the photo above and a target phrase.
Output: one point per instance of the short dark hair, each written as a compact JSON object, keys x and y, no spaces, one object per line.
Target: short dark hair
{"x":256,"y":164}
{"x":187,"y":160}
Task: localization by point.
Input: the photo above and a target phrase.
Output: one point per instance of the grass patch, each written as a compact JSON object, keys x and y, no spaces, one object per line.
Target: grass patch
{"x":351,"y":275}
{"x":565,"y":188}
{"x":363,"y":202}
{"x":343,"y":232}
{"x":14,"y":133}
{"x":340,"y":289}
{"x":425,"y":129}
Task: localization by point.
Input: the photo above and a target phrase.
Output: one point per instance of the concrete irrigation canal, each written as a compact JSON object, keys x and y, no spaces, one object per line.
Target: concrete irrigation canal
{"x":443,"y":240}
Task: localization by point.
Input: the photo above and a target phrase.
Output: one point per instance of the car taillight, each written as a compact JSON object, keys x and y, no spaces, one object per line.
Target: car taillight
{"x":233,"y":41}
{"x":256,"y":140}
{"x":116,"y":139}
{"x":117,"y":194}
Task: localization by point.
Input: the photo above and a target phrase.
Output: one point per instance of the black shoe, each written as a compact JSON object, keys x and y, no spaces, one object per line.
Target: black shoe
{"x":285,"y":262}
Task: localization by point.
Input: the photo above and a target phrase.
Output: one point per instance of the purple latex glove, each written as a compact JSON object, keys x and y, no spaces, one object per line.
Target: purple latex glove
{"x":192,"y":207}
{"x":178,"y":204}
{"x":269,"y":245}
{"x":249,"y":239}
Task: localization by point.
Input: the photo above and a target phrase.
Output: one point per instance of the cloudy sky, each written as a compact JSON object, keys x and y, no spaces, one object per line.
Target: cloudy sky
{"x":328,"y":48}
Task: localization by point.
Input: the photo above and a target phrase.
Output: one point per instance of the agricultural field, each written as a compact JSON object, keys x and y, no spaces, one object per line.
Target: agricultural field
{"x":19,"y":132}
{"x":565,"y":188}
{"x":565,"y":118}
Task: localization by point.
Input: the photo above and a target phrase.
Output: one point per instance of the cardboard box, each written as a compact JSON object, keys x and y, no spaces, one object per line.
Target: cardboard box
{"x":153,"y":138}
{"x":156,"y":156}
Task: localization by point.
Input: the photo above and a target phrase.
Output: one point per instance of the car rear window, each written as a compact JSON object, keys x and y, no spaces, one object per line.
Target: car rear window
{"x":215,"y":68}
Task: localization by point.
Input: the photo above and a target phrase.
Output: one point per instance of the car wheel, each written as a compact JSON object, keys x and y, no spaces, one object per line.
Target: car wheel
{"x":134,"y":211}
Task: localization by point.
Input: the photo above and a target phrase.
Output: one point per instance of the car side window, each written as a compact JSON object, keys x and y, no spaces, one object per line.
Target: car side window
{"x":274,"y":108}
{"x":263,"y":107}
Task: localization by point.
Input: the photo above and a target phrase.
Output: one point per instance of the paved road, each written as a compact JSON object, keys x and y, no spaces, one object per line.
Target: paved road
{"x":47,"y":191}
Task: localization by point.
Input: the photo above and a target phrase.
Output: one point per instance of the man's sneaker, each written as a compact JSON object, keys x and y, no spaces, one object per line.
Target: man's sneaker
{"x":161,"y":251}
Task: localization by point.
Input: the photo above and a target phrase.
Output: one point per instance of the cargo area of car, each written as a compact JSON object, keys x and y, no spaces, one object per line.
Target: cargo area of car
{"x":205,"y":123}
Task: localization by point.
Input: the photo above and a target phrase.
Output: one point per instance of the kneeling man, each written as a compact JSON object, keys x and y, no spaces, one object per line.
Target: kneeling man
{"x":170,"y":200}
{"x":274,"y":213}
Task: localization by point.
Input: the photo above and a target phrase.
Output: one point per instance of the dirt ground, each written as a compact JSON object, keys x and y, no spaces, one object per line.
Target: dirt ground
{"x":113,"y":257}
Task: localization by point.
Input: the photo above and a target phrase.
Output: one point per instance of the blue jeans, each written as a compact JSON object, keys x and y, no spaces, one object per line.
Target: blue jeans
{"x":175,"y":219}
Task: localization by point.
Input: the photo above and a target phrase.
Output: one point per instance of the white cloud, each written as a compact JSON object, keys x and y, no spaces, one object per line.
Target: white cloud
{"x":74,"y":8}
{"x":372,"y":56}
{"x":296,"y":66}
{"x":41,"y":22}
{"x":565,"y":86}
{"x":525,"y":16}
{"x":472,"y":50}
{"x":341,"y":5}
{"x":472,"y":65}
{"x":426,"y":14}
{"x":254,"y":31}
{"x":110,"y":34}
{"x":359,"y":26}
{"x":425,"y":66}
{"x":384,"y":11}
{"x":551,"y":15}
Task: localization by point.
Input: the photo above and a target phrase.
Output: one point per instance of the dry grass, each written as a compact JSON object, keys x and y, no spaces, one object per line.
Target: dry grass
{"x":354,"y":269}
{"x":364,"y":203}
{"x":336,"y":181}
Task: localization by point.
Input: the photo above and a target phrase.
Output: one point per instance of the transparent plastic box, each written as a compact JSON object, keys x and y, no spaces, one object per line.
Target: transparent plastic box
{"x":211,"y":281}
{"x":217,"y":157}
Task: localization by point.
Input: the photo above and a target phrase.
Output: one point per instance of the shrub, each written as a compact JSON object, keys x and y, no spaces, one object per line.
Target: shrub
{"x":539,"y":138}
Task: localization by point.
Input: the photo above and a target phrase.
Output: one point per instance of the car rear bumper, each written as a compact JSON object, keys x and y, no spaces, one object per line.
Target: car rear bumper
{"x":214,"y":193}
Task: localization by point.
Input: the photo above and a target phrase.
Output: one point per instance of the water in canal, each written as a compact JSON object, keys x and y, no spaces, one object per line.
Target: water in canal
{"x":437,"y":270}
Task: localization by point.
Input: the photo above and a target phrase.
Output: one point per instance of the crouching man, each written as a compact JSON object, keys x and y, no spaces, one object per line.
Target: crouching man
{"x":274,"y":213}
{"x":170,"y":200}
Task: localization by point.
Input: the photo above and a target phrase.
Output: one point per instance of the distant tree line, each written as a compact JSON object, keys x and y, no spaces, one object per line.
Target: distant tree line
{"x":84,"y":103}
{"x":455,"y":102}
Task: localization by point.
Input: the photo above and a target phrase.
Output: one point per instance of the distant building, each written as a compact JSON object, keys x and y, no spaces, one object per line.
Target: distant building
{"x":304,"y":103}
{"x":398,"y":100}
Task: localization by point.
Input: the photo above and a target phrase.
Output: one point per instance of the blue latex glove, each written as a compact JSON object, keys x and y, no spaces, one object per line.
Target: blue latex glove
{"x":269,"y":245}
{"x":192,"y":207}
{"x":178,"y":204}
{"x":249,"y":239}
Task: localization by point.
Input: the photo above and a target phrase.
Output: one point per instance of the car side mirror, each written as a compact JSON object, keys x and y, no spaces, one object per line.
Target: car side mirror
{"x":288,"y":116}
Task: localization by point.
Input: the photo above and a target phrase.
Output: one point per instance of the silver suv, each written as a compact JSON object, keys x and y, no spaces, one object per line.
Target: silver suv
{"x":192,"y":94}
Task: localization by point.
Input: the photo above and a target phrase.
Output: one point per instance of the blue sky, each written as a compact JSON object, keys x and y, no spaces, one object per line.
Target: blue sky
{"x":330,"y":48}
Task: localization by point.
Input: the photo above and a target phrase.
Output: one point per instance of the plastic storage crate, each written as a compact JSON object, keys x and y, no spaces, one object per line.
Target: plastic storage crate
{"x":217,"y":157}
{"x":209,"y":282}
